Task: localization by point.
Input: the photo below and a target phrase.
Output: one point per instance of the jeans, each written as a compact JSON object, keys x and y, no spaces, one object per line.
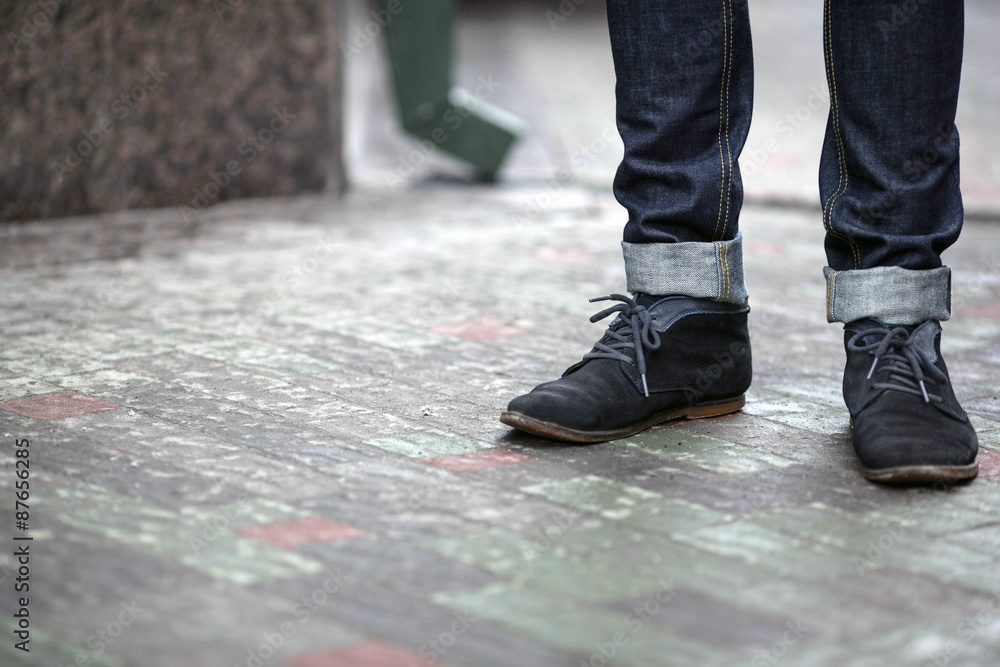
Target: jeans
{"x":889,"y":181}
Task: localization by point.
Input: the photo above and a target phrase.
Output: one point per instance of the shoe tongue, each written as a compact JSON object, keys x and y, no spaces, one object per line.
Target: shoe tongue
{"x":872,"y":323}
{"x":646,"y":300}
{"x":862,"y":325}
{"x":921,"y":335}
{"x":923,"y":338}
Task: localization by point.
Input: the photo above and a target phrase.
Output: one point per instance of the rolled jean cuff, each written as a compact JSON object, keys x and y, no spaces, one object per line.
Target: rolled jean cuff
{"x":701,"y":270}
{"x":889,"y":294}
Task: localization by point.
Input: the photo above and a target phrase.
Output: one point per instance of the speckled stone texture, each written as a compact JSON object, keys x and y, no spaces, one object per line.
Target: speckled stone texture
{"x":113,"y":105}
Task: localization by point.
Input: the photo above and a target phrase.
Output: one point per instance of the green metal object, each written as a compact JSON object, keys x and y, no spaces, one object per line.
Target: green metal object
{"x":460,"y":122}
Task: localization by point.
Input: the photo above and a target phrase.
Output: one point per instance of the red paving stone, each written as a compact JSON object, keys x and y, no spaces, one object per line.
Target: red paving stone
{"x":370,"y":654}
{"x":488,"y":458}
{"x":295,"y":532}
{"x":989,"y":311}
{"x":758,"y":248}
{"x":479,"y":331}
{"x":989,"y":463}
{"x":56,"y":406}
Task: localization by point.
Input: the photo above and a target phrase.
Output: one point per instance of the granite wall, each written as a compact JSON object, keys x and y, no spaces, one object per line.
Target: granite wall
{"x":114,"y":104}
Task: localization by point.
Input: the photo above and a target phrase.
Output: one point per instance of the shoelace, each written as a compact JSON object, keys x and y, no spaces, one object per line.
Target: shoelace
{"x":909,"y":367}
{"x":634,"y":331}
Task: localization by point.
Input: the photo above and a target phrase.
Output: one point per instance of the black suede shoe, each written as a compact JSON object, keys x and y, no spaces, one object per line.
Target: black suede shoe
{"x":908,"y":425}
{"x":662,"y":358}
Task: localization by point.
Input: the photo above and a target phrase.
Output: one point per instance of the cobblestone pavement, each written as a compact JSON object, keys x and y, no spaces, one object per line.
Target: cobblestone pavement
{"x":270,"y":437}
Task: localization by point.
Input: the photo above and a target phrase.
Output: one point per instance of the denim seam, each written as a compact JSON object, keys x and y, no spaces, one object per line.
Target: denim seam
{"x":718,"y":272}
{"x":729,"y":149}
{"x":723,"y":91}
{"x":720,"y":267}
{"x":831,"y":293}
{"x":722,"y":271}
{"x":722,"y":165}
{"x":725,"y":268}
{"x":729,"y":279}
{"x":843,"y":177}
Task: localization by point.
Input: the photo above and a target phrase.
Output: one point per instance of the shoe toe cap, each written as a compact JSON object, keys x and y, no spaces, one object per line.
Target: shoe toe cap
{"x":558,"y":404}
{"x":913,"y":437}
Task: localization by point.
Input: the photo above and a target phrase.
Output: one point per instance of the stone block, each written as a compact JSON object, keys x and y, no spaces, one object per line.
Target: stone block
{"x":115,"y":105}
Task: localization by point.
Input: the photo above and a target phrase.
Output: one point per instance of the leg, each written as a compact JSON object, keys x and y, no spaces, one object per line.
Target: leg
{"x":684,"y":92}
{"x":891,"y":204}
{"x":680,"y":348}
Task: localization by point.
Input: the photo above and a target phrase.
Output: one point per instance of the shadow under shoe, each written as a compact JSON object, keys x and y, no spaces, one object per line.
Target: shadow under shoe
{"x":662,"y":358}
{"x":908,"y":427}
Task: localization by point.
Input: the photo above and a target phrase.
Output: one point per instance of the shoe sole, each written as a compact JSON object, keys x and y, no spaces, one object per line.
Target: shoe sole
{"x":921,"y":474}
{"x":552,"y":431}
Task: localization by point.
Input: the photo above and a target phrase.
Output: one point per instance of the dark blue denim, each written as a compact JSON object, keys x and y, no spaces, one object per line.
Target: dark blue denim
{"x":889,"y":180}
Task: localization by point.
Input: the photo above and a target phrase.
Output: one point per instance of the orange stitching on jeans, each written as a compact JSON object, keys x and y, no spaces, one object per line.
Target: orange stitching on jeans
{"x":722,"y":89}
{"x":829,"y":296}
{"x":719,"y":279}
{"x":725,"y":264}
{"x":729,"y":151}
